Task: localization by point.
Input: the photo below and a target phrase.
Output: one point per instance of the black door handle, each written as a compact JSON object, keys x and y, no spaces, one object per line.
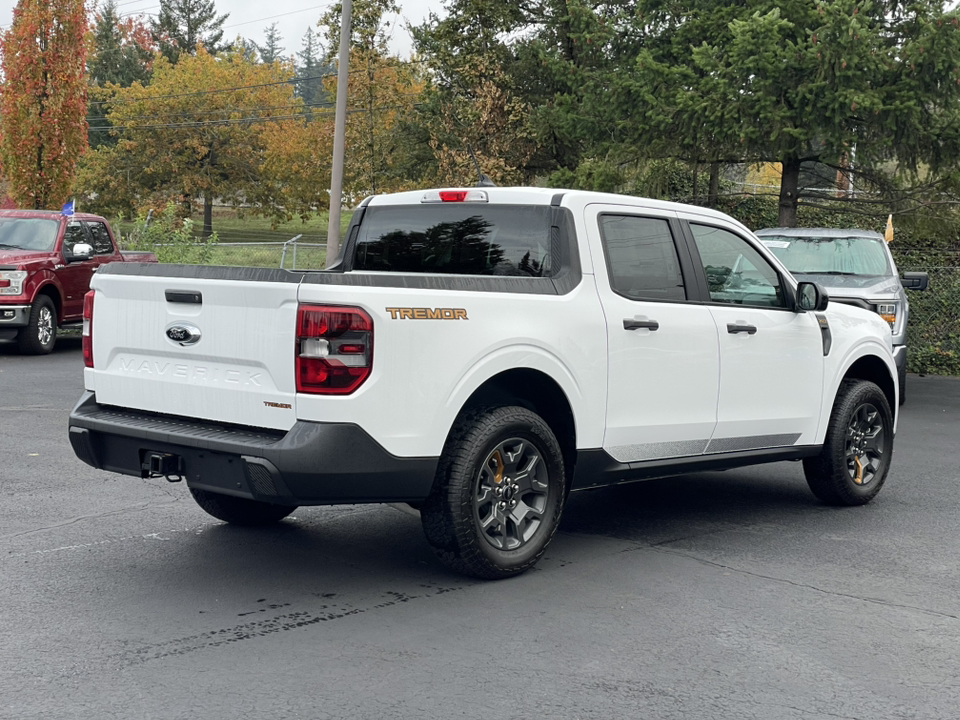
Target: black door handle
{"x":640,"y":324}
{"x":734,"y":328}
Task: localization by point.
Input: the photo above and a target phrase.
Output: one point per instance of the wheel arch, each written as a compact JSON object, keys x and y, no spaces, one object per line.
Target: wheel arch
{"x":539,"y":393}
{"x":873,"y":369}
{"x":52,"y":292}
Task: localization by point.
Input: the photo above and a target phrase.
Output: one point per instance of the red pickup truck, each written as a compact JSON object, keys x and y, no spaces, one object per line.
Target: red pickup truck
{"x":46,"y":262}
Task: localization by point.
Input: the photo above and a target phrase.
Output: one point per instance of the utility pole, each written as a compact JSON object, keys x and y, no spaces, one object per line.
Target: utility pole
{"x":339,"y":135}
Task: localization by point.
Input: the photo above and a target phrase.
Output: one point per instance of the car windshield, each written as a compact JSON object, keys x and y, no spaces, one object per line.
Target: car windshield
{"x":830,"y":255}
{"x":38,"y":234}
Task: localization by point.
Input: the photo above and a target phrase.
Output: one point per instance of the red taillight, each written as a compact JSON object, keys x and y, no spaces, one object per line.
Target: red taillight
{"x":87,"y":341}
{"x":334,"y":349}
{"x":4,"y":283}
{"x":453,"y":195}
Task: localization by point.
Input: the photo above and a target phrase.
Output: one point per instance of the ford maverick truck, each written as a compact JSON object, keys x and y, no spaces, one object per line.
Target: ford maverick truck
{"x":479,"y":353}
{"x":46,"y":262}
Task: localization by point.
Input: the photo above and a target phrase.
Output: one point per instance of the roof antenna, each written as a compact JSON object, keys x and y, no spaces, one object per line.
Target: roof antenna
{"x":483,"y":181}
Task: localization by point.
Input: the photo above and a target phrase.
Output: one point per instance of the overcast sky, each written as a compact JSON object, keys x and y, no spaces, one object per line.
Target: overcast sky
{"x":250,"y":18}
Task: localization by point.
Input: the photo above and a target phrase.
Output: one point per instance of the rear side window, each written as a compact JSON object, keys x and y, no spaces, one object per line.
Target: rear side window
{"x":457,"y":238}
{"x":642,"y":258}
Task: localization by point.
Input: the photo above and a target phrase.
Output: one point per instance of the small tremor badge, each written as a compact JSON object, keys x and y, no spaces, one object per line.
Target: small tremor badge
{"x":427,"y":314}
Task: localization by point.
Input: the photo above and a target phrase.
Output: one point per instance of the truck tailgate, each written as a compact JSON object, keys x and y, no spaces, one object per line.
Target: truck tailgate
{"x":218,"y":349}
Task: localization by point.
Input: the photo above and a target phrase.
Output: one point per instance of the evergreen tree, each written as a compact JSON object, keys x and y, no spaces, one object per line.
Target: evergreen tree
{"x":309,"y":69}
{"x":122,"y":55}
{"x":182,"y":24}
{"x":271,"y":50}
{"x":792,"y":82}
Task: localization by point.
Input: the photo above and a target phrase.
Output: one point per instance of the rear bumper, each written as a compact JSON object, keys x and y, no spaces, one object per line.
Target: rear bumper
{"x":311,"y":464}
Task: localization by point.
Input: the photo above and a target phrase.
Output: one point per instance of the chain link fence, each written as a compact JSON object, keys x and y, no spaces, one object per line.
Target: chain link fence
{"x":290,"y":255}
{"x":933,"y":335}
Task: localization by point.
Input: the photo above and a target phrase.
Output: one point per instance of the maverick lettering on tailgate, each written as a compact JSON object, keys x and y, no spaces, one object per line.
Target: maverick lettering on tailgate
{"x":191,"y":373}
{"x":427,"y":313}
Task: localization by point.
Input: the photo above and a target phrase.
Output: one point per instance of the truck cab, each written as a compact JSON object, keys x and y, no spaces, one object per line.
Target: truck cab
{"x":47,"y":260}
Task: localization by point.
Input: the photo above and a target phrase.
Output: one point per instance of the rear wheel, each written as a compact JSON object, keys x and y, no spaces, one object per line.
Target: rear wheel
{"x":240,"y":511}
{"x":498,"y":493}
{"x":853,"y":465}
{"x":40,"y":334}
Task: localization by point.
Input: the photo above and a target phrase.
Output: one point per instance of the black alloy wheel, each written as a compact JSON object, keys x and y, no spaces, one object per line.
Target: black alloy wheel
{"x":512,"y":493}
{"x":858,"y":447}
{"x":498,"y":493}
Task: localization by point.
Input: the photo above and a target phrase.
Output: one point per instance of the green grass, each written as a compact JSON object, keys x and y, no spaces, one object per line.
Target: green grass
{"x":308,"y":258}
{"x":231,"y":227}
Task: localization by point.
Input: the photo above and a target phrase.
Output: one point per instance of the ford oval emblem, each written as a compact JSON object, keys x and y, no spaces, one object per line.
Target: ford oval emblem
{"x":183,"y":333}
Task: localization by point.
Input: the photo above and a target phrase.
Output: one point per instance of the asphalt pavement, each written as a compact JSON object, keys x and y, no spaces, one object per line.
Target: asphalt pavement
{"x":717,"y":595}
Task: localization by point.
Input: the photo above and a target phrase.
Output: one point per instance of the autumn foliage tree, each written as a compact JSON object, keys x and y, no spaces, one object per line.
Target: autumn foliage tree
{"x":43,"y":100}
{"x":198,"y":131}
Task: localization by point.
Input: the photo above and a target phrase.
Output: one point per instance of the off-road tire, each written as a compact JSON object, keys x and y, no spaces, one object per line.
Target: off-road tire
{"x":240,"y":511}
{"x":860,"y":418}
{"x":462,"y":519}
{"x":40,"y":334}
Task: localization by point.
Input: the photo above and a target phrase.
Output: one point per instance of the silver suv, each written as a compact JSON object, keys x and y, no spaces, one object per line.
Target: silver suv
{"x":854,"y":267}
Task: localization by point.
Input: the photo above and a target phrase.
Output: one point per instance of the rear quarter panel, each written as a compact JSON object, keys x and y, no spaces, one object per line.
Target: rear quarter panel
{"x":424,"y":370}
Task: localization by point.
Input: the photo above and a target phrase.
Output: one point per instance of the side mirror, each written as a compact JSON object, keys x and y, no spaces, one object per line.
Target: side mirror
{"x":915,"y":280}
{"x":811,"y":297}
{"x":81,"y":252}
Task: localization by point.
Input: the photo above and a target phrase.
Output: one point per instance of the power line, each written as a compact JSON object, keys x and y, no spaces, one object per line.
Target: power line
{"x":209,"y":92}
{"x":254,"y":108}
{"x":237,"y":121}
{"x":291,"y":81}
{"x":271,"y":17}
{"x":191,"y":113}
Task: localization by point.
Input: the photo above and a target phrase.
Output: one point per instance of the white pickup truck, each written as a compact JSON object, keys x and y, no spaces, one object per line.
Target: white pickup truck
{"x":478,"y":354}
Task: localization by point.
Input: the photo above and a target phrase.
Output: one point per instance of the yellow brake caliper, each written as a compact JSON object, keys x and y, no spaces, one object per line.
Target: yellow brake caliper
{"x":498,"y":476}
{"x":858,"y":478}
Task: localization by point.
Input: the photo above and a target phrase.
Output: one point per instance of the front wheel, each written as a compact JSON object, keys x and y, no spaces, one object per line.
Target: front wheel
{"x":498,"y":493}
{"x":240,"y":511}
{"x":40,"y":334}
{"x":853,"y":464}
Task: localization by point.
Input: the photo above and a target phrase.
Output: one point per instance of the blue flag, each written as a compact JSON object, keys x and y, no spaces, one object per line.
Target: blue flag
{"x":67,"y":209}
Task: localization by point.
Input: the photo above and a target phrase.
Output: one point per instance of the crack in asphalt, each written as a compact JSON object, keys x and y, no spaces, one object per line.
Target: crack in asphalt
{"x":834,"y":593}
{"x":71,"y":521}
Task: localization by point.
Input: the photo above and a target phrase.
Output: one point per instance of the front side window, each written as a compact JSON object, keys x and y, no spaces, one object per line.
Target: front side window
{"x":736,"y":273}
{"x":641,"y":258}
{"x":101,"y":238}
{"x":457,"y":239}
{"x":72,"y":235}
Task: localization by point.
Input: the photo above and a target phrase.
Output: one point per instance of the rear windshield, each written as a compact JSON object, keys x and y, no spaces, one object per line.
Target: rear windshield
{"x":461,"y":239}
{"x":830,"y":255}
